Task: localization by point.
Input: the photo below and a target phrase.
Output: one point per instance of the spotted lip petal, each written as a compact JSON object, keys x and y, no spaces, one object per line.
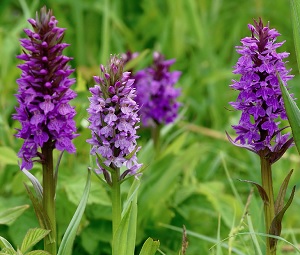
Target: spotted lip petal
{"x":44,"y":90}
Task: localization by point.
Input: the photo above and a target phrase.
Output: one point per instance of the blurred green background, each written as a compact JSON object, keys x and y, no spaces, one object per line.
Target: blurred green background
{"x":194,"y":180}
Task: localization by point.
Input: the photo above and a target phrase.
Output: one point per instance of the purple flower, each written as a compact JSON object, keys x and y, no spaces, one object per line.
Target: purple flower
{"x":260,"y":98}
{"x":113,"y":120}
{"x":156,"y":94}
{"x":44,"y":91}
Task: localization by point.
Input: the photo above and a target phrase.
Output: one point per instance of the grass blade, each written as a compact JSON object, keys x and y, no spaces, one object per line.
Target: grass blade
{"x":295,"y":13}
{"x":68,"y":239}
{"x":293,"y":113}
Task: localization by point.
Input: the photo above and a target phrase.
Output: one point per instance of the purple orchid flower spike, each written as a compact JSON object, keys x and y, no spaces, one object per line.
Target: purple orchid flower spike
{"x":156,"y":93}
{"x":114,"y":120}
{"x":260,"y":98}
{"x":44,"y":91}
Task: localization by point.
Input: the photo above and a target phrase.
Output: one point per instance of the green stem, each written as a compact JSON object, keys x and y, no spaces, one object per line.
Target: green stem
{"x":49,"y":197}
{"x":269,"y":209}
{"x":116,"y":201}
{"x":155,"y":132}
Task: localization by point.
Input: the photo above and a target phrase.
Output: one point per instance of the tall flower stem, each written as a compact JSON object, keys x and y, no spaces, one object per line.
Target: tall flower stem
{"x":50,"y":243}
{"x":116,"y":200}
{"x":269,"y":209}
{"x":155,"y":133}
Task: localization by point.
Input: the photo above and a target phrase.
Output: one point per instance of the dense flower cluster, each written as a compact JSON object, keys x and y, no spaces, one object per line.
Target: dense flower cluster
{"x":260,"y":98}
{"x":156,"y":94}
{"x":113,"y":119}
{"x":44,"y":91}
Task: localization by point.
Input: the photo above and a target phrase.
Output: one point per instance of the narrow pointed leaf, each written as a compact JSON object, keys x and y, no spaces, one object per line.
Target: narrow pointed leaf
{"x":281,"y":194}
{"x":100,"y":161}
{"x":35,"y":183}
{"x":132,"y":195}
{"x":124,"y":239}
{"x":8,"y":251}
{"x":125,"y":236}
{"x":260,"y":189}
{"x":129,"y":156}
{"x":10,"y":215}
{"x":4,"y":243}
{"x":275,"y":228}
{"x":32,"y":237}
{"x":293,"y":114}
{"x":119,"y":245}
{"x":149,"y":247}
{"x":39,"y":210}
{"x":56,"y":168}
{"x":295,"y":14}
{"x":66,"y":245}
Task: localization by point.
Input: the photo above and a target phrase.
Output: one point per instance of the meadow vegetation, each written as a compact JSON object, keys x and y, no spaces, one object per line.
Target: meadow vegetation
{"x":194,"y":180}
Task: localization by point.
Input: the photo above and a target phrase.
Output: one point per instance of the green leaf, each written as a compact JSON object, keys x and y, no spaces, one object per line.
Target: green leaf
{"x":36,"y":184}
{"x":275,"y":228}
{"x":8,"y":251}
{"x":295,"y":13}
{"x":4,"y":243}
{"x":132,"y":194}
{"x":69,"y":237}
{"x":149,"y":247}
{"x":39,"y":210}
{"x":38,"y":252}
{"x":10,"y":215}
{"x":8,"y":156}
{"x":293,"y":113}
{"x":260,"y":189}
{"x":32,"y":237}
{"x":125,"y":236}
{"x":100,"y":161}
{"x":281,"y":194}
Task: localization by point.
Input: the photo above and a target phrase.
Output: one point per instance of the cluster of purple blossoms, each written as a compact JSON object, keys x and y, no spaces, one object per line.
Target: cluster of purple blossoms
{"x":156,"y":94}
{"x":260,"y":98}
{"x":44,"y":91}
{"x":113,"y":120}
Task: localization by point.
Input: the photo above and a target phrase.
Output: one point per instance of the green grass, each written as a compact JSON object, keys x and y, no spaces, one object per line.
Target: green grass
{"x":194,"y":181}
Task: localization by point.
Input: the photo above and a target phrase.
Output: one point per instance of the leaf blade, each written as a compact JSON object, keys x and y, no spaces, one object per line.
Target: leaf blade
{"x":5,"y":244}
{"x":32,"y":237}
{"x":295,"y":14}
{"x":260,"y":189}
{"x":66,"y":245}
{"x":293,"y":113}
{"x":275,"y":228}
{"x":10,"y":215}
{"x":149,"y":247}
{"x":125,"y":236}
{"x":281,"y":194}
